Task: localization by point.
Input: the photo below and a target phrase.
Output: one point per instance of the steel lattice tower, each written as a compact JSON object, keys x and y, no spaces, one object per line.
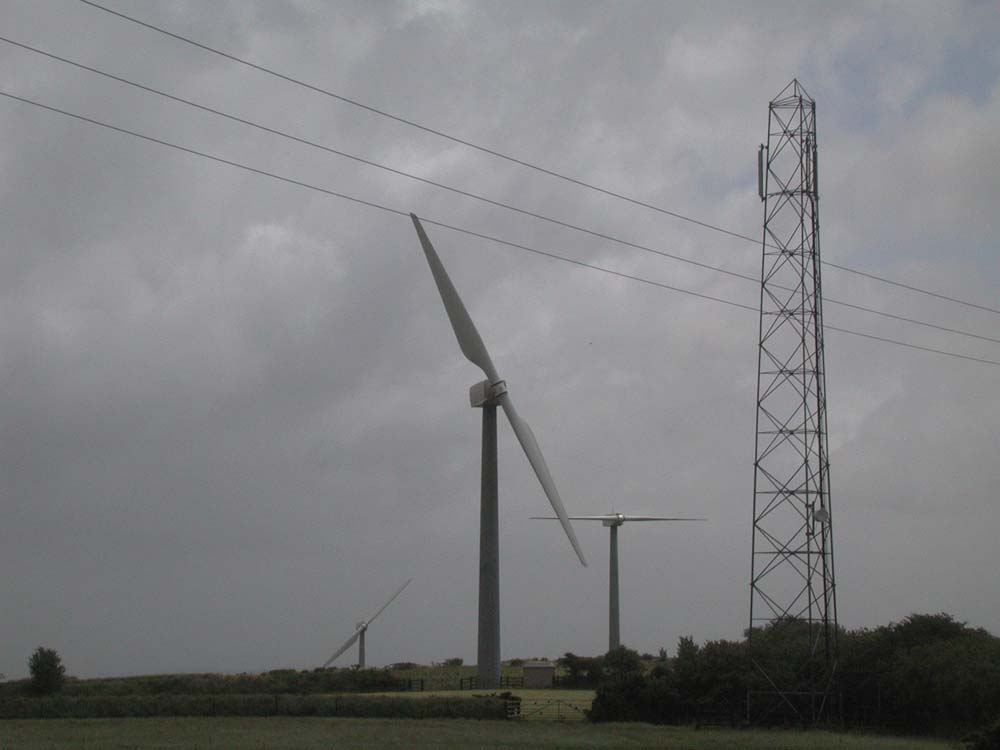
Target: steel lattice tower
{"x":792,"y":639}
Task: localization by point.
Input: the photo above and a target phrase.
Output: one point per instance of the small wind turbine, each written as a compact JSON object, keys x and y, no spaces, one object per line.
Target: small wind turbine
{"x":487,"y":395}
{"x":613,"y":521}
{"x":359,"y":632}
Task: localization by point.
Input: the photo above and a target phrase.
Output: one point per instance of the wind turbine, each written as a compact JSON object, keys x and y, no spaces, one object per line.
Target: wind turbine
{"x":487,"y":395}
{"x":359,"y":632}
{"x":613,"y":521}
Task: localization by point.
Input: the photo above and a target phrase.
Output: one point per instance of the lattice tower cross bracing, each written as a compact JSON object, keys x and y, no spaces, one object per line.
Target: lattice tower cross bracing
{"x":793,"y":610}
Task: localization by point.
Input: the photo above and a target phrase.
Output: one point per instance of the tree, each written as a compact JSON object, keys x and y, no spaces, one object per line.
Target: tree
{"x":627,"y":693}
{"x":581,"y":670}
{"x":47,"y":671}
{"x":920,"y":629}
{"x":621,"y":663}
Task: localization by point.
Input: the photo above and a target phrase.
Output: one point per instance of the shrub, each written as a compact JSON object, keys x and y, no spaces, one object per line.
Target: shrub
{"x":281,"y":681}
{"x":620,"y":663}
{"x":653,"y":699}
{"x":926,"y":674}
{"x":985,"y":739}
{"x":627,"y":693}
{"x":116,"y":706}
{"x":581,"y":671}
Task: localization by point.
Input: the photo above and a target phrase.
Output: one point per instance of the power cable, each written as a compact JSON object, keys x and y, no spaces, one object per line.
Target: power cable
{"x":514,"y":160}
{"x":461,"y":230}
{"x":475,"y":196}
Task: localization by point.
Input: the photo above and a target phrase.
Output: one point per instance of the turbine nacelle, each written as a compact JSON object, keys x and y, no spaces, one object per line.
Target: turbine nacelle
{"x":615,"y":520}
{"x":485,"y":393}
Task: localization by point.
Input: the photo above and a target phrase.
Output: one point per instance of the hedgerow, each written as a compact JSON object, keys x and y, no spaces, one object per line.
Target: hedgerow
{"x":121,"y":706}
{"x":280,"y":681}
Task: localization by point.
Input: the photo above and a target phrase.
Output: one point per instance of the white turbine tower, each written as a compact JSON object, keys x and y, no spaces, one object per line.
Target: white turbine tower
{"x":359,"y":632}
{"x":613,"y":521}
{"x":487,"y":395}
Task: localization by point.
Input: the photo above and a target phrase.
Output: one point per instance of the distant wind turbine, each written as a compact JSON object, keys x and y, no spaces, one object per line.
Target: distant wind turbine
{"x":361,"y":629}
{"x":487,"y":395}
{"x":613,"y":521}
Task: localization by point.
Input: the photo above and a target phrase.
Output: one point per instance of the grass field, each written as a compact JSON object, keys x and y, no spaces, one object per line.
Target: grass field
{"x":544,"y":704}
{"x":344,"y":734}
{"x":522,"y":693}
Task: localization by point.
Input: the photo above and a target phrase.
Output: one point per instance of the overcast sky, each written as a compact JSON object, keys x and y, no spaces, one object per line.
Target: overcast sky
{"x":234,"y":418}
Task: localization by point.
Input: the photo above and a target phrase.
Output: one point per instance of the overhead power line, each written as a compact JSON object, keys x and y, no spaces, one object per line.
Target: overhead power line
{"x":513,"y":159}
{"x":469,"y":194}
{"x":461,"y":230}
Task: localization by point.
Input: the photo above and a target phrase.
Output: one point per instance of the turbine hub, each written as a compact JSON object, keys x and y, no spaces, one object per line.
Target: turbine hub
{"x":485,"y":393}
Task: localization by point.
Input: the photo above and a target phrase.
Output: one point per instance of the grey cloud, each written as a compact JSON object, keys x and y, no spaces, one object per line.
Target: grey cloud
{"x":235,"y":416}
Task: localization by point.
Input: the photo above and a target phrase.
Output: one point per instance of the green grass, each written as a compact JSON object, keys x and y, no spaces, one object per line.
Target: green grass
{"x":448,"y":678}
{"x":536,"y":703}
{"x":452,"y":673}
{"x":523,"y":694}
{"x":313,"y":734}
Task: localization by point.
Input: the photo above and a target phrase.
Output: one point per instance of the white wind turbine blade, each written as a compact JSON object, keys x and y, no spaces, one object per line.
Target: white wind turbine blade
{"x":342,"y":649}
{"x":574,"y":518}
{"x":660,"y":518}
{"x":475,"y":351}
{"x":527,"y":439}
{"x":465,"y":330}
{"x":615,"y":517}
{"x":382,"y":608}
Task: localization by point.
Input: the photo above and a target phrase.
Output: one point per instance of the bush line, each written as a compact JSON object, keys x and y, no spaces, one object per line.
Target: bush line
{"x":122,"y":706}
{"x":288,"y":681}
